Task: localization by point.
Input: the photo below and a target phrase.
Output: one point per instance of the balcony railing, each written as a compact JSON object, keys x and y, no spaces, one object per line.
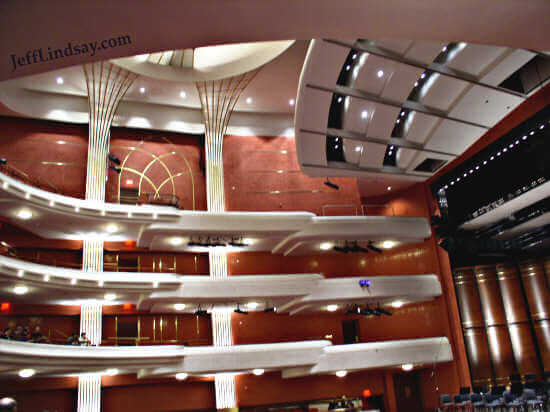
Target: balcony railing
{"x":352,"y":209}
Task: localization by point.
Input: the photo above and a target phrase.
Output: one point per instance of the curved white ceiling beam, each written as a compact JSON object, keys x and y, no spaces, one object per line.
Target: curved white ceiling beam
{"x":211,"y":63}
{"x":190,"y":23}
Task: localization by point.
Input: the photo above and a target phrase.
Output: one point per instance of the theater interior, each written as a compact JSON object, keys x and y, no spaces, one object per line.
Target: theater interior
{"x":275,"y":206}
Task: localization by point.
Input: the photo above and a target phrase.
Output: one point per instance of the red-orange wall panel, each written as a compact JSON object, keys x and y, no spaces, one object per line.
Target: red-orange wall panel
{"x":41,"y":400}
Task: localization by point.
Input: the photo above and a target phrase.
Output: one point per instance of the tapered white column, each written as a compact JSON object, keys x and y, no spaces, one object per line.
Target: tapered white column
{"x":218,"y":99}
{"x":106,"y":85}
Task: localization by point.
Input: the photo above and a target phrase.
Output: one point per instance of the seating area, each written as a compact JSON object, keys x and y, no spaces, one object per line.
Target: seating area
{"x":533,"y":395}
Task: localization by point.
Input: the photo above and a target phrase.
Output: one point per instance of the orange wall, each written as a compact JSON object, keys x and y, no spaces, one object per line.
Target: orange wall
{"x":63,"y":400}
{"x":270,"y":388}
{"x":262,"y":174}
{"x":166,"y":397}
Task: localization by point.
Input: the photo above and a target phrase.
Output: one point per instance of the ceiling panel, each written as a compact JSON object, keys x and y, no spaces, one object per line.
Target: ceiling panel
{"x":507,"y":66}
{"x":396,"y":46}
{"x":476,"y":58}
{"x":312,"y":149}
{"x":420,"y":127}
{"x":382,"y":121}
{"x":441,"y":91}
{"x":425,"y":52}
{"x":373,"y":155}
{"x":314,"y":109}
{"x":357,"y":115}
{"x":401,"y":83}
{"x":329,"y":59}
{"x":453,"y":137}
{"x":405,"y":156}
{"x":367,"y":78}
{"x":485,"y":106}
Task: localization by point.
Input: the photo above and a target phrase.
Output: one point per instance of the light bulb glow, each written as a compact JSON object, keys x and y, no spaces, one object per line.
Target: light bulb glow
{"x":20,"y":290}
{"x":252,"y":305}
{"x":407,"y":367}
{"x":380,"y":73}
{"x":325,"y":246}
{"x":176,"y":241}
{"x":332,"y":308}
{"x":397,"y":304}
{"x":110,"y":296}
{"x":388,"y":244}
{"x":341,"y":374}
{"x":24,"y":214}
{"x":179,"y":306}
{"x":112,"y":228}
{"x":181,"y":376}
{"x":258,"y":372}
{"x":26,"y":373}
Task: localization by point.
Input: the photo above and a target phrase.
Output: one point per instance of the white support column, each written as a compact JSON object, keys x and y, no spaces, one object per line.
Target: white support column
{"x":106,"y":85}
{"x":218,"y":98}
{"x":89,"y":393}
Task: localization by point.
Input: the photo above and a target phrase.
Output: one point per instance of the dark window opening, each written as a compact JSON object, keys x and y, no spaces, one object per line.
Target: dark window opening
{"x":430,"y":165}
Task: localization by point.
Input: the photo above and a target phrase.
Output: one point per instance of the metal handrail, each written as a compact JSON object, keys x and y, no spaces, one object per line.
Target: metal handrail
{"x":364,"y":206}
{"x":343,"y":205}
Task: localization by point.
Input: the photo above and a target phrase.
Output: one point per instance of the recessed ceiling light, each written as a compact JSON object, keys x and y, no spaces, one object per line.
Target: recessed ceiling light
{"x":77,"y":209}
{"x":112,"y":228}
{"x":341,"y":374}
{"x":142,"y":90}
{"x":348,"y":67}
{"x":46,"y":278}
{"x":354,"y":56}
{"x":397,"y":304}
{"x":24,"y":214}
{"x":380,"y":73}
{"x":111,"y":372}
{"x":332,"y":308}
{"x":389,"y":188}
{"x":248,"y":241}
{"x":291,"y":102}
{"x":101,"y":282}
{"x":364,"y":114}
{"x":249,"y":100}
{"x":20,"y":290}
{"x":52,"y":203}
{"x":181,"y":376}
{"x":155,"y":284}
{"x":59,"y":80}
{"x":325,"y":246}
{"x":5,"y":185}
{"x":339,"y":100}
{"x":388,"y":244}
{"x":407,"y":367}
{"x":20,"y":273}
{"x":183,"y":95}
{"x":73,"y":281}
{"x":179,"y":306}
{"x":26,"y":373}
{"x":258,"y":372}
{"x":357,"y":148}
{"x":110,"y":296}
{"x":27,"y":195}
{"x":252,"y":305}
{"x":176,"y":241}
{"x":415,"y":84}
{"x":129,"y":214}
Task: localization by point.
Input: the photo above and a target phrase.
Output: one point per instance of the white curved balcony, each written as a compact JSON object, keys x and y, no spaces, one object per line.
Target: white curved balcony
{"x":292,"y":358}
{"x":162,"y":228}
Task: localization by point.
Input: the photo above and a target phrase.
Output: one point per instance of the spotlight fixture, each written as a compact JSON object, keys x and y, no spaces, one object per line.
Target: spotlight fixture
{"x":201,"y":312}
{"x":364,"y":283}
{"x":113,"y":159}
{"x":366,"y":311}
{"x":374,"y":248}
{"x":240,"y":311}
{"x":26,"y":373}
{"x":331,"y":185}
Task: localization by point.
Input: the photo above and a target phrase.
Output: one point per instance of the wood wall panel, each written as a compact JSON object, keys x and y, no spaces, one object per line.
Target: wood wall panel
{"x":536,"y":289}
{"x":512,"y":294}
{"x":468,"y":298}
{"x":489,"y":293}
{"x":63,"y":400}
{"x":501,"y":353}
{"x":524,"y":348}
{"x":477,"y":348}
{"x":542,"y":331}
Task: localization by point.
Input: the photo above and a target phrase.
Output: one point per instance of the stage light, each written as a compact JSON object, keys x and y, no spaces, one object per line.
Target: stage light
{"x":258,"y":372}
{"x":181,"y":376}
{"x":176,"y":241}
{"x":364,"y":283}
{"x":24,"y":214}
{"x":325,"y":246}
{"x":341,"y":374}
{"x":20,"y":290}
{"x":331,"y":185}
{"x":26,"y":373}
{"x":112,"y":228}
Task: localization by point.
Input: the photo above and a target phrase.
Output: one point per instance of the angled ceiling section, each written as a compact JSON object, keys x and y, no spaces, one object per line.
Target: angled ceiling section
{"x":398,"y":109}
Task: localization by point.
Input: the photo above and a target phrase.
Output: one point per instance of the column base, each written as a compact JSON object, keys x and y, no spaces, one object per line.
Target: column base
{"x":234,"y":409}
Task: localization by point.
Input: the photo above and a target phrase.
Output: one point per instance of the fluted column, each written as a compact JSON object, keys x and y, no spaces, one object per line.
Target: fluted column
{"x":218,"y":99}
{"x":106,"y":85}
